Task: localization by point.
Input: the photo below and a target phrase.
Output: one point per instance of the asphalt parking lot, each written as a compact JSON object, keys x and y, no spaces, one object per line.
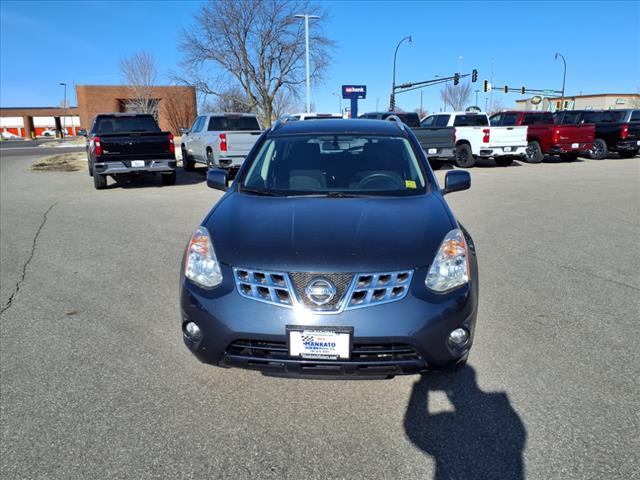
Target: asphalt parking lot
{"x":96,"y":383}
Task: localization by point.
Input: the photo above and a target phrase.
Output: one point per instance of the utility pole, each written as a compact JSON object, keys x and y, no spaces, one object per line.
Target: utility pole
{"x":477,"y":91}
{"x":377,"y":102}
{"x":392,"y":101}
{"x":64,"y":118}
{"x":306,"y":35}
{"x":564,"y":78}
{"x":421,"y":110}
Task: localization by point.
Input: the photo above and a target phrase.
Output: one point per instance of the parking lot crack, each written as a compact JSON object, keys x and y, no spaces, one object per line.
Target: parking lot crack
{"x":23,"y":275}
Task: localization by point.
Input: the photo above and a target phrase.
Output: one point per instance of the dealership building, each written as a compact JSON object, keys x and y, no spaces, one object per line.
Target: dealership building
{"x":175,"y":108}
{"x":599,"y":101}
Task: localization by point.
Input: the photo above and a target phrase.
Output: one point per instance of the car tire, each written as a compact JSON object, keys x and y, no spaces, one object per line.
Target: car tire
{"x":169,"y":178}
{"x":211,"y":163}
{"x":534,"y":152}
{"x":599,"y":150}
{"x":628,"y":153}
{"x":187,"y":163}
{"x":435,"y":164}
{"x":569,"y":157}
{"x":99,"y":181}
{"x":464,"y":156}
{"x":90,"y":170}
{"x":504,"y":162}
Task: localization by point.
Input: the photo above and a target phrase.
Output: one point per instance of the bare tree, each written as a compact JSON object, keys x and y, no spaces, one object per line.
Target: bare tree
{"x":421,"y":112}
{"x":178,"y":113}
{"x":230,"y":100}
{"x":635,"y":100}
{"x":140,"y":71}
{"x":456,"y":96}
{"x":256,"y":44}
{"x":496,"y":106}
{"x":285,"y":102}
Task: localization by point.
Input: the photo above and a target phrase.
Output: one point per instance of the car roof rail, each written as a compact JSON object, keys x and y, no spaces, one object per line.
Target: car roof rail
{"x":395,"y":118}
{"x":278,"y":123}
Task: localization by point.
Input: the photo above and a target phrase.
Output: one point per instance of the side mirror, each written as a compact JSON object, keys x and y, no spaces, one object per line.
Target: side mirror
{"x":184,"y":131}
{"x":217,"y":178}
{"x":455,"y":181}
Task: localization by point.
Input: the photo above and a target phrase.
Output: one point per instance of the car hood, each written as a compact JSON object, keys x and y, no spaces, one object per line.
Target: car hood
{"x":328,"y":234}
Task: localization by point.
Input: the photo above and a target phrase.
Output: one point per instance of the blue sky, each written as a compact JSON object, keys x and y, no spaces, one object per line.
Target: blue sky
{"x":44,"y":43}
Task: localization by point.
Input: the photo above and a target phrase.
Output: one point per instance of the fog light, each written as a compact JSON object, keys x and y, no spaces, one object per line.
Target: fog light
{"x":459,"y":337}
{"x":193,"y":331}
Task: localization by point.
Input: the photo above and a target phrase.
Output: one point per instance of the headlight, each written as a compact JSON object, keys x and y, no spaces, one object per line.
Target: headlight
{"x":450,"y":268}
{"x":201,"y":264}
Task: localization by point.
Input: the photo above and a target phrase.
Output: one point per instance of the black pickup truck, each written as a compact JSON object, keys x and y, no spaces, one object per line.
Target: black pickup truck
{"x":129,"y":144}
{"x":616,"y":130}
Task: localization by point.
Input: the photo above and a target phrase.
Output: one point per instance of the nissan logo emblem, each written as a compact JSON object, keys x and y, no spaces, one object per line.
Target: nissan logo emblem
{"x":320,"y":291}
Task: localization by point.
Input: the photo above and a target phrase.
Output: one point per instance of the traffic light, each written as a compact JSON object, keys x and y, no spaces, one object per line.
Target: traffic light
{"x":506,"y":89}
{"x":485,"y":86}
{"x":474,"y":75}
{"x":456,"y":79}
{"x":522,"y":91}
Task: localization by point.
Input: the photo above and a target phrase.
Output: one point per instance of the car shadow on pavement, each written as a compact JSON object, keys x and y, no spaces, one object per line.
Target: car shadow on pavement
{"x":551,"y":159}
{"x":482,"y":438}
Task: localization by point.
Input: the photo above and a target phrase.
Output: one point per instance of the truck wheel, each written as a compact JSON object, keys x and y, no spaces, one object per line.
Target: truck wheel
{"x":569,"y":157}
{"x":435,"y":164}
{"x":90,"y":170}
{"x":534,"y":152}
{"x":210,"y":160}
{"x":504,"y":161}
{"x":628,"y":153}
{"x":599,"y":150}
{"x":99,"y":181}
{"x":464,"y":157}
{"x":187,"y":163}
{"x":169,"y":178}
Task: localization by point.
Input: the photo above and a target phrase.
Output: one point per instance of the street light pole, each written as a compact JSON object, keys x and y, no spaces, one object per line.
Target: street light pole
{"x":339,"y":95}
{"x":306,"y":41}
{"x":64,"y":118}
{"x":564,"y":78}
{"x":477,"y":91}
{"x":392,"y":101}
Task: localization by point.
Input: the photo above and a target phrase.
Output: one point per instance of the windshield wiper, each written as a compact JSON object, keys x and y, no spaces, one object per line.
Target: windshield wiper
{"x":330,"y":195}
{"x":256,"y":191}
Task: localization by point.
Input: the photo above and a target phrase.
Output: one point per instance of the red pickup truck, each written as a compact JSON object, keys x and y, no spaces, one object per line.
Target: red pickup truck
{"x":546,"y":138}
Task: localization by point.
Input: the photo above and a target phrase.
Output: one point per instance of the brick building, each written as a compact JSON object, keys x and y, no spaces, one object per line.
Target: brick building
{"x":175,"y":109}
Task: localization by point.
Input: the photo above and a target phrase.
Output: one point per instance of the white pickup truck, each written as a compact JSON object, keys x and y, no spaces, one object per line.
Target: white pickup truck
{"x":466,"y":136}
{"x":220,"y":140}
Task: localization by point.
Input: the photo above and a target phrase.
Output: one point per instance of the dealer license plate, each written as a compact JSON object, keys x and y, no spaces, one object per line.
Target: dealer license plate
{"x":137,"y":163}
{"x":321,"y":343}
{"x":509,"y":149}
{"x":575,"y":145}
{"x":432,"y":151}
{"x":638,"y":142}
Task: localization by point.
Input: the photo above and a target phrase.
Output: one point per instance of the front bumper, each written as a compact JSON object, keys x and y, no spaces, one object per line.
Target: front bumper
{"x":403,"y":337}
{"x":627,"y":145}
{"x":569,"y":148}
{"x":510,"y":151}
{"x":125,"y":166}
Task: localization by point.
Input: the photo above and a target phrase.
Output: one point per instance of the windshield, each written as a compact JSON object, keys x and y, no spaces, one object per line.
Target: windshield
{"x":133,"y":123}
{"x":335,"y":165}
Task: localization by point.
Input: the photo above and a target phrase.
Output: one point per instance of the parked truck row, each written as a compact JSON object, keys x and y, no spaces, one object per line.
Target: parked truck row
{"x":121,"y":144}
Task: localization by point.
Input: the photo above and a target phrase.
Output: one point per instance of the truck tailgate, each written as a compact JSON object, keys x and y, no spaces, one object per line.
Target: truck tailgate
{"x":439,"y":137}
{"x":239,"y":143}
{"x":507,"y":136}
{"x":575,"y":133}
{"x":135,"y":145}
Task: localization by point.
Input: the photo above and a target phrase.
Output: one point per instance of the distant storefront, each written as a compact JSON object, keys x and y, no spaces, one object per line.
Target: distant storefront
{"x":600,"y":101}
{"x":174,"y":108}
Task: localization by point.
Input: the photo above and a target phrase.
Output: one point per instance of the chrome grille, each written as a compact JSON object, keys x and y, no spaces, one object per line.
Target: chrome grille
{"x":271,"y":287}
{"x":300,"y":280}
{"x":377,"y":288}
{"x":352,"y":290}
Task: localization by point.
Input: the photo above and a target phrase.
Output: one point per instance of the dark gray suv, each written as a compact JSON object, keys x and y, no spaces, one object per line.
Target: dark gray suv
{"x":333,"y":253}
